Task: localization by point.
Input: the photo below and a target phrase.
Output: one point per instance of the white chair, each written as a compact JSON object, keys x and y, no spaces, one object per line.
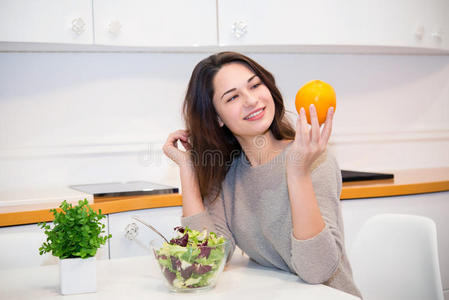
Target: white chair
{"x":395,"y":256}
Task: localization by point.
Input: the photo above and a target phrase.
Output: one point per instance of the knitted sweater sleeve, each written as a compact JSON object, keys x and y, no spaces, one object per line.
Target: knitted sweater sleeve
{"x":315,"y":260}
{"x":212,"y":219}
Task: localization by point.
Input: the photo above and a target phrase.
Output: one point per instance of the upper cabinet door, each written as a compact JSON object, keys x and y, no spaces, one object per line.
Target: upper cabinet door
{"x":46,"y":21}
{"x":435,"y":25}
{"x":403,"y":23}
{"x":397,"y":23}
{"x":155,"y":23}
{"x":283,"y":22}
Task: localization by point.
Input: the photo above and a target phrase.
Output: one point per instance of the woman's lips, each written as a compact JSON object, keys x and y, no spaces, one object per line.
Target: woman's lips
{"x":256,"y":115}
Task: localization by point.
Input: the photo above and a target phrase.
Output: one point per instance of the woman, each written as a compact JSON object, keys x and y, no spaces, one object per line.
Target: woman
{"x":248,"y":175}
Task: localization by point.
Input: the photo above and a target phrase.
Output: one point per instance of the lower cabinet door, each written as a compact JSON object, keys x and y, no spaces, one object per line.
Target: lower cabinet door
{"x":356,"y":212}
{"x":132,"y":238}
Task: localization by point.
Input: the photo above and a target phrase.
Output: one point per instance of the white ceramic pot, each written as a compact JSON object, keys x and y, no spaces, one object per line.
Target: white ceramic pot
{"x":77,"y":275}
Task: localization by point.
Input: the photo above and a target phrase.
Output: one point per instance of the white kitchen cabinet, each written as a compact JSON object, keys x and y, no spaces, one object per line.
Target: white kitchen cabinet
{"x":350,"y":23}
{"x":345,"y":26}
{"x":19,"y":246}
{"x":132,"y":238}
{"x":46,"y":21}
{"x":153,"y":23}
{"x":433,"y":205}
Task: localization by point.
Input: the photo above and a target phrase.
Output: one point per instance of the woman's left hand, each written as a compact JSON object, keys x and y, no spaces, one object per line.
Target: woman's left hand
{"x":309,"y":143}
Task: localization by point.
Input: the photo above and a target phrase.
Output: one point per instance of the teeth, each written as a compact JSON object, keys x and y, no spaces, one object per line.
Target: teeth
{"x":253,"y":114}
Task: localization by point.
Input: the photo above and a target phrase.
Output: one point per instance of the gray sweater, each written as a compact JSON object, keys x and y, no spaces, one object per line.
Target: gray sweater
{"x":253,"y":211}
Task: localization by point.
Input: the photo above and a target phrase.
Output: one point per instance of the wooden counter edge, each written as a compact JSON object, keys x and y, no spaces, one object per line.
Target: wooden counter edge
{"x":393,"y":190}
{"x":107,"y":207}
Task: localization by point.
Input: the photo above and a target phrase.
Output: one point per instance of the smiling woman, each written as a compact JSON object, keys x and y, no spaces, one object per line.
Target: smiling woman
{"x":270,"y":189}
{"x":212,"y":89}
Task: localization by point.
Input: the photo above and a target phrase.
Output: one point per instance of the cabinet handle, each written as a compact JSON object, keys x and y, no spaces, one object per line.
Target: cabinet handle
{"x":419,"y":33}
{"x":131,"y":231}
{"x":239,"y":29}
{"x":114,"y":27}
{"x":437,"y":36}
{"x":78,"y":26}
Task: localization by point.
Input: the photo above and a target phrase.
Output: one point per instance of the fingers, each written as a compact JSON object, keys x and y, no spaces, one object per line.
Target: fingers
{"x":184,"y":139}
{"x":186,"y":145}
{"x":301,"y":127}
{"x":315,"y":131}
{"x":310,"y":143}
{"x":181,"y":135}
{"x":171,"y":150}
{"x":312,"y":135}
{"x":171,"y":142}
{"x":327,"y":130}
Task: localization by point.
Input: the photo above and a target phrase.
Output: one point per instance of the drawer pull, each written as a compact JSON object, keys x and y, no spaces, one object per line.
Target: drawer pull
{"x":239,"y":29}
{"x":131,"y":231}
{"x":78,"y":26}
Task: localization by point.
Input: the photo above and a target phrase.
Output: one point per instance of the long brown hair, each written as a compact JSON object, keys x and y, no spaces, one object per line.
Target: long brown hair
{"x":215,"y":147}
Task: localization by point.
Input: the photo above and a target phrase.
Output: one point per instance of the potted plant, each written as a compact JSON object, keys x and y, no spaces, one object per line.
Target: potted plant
{"x":75,"y":238}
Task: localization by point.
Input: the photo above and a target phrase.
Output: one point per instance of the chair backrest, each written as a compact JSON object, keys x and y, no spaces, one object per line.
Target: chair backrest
{"x":395,"y":256}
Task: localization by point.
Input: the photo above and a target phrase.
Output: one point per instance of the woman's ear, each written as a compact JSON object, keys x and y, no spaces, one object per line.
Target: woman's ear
{"x":220,"y":122}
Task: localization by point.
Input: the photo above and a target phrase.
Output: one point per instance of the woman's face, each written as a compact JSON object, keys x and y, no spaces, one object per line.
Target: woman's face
{"x":243,"y":103}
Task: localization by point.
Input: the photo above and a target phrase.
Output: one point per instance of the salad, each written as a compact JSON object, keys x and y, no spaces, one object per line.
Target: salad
{"x":192,"y":259}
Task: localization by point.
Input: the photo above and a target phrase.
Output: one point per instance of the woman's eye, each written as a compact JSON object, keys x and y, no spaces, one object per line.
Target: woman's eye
{"x":232,"y":98}
{"x":256,"y":85}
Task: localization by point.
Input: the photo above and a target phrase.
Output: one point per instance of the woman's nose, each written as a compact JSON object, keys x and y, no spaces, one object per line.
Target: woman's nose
{"x":250,"y":99}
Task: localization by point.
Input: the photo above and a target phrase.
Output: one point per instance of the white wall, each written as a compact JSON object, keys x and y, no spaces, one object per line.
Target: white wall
{"x":68,"y":118}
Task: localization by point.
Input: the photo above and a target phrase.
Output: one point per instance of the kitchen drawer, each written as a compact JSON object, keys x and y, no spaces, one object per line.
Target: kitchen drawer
{"x":131,"y":238}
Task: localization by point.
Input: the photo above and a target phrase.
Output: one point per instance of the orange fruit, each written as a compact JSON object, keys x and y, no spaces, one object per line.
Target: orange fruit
{"x":319,"y":93}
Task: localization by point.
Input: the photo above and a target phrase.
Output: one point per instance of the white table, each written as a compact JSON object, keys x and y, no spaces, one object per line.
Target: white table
{"x":140,"y":278}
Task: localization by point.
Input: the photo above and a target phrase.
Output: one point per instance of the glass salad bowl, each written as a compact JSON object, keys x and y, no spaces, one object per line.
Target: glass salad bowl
{"x":192,"y":261}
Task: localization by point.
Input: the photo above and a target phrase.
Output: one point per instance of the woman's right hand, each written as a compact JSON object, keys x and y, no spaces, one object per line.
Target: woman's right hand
{"x":170,"y":148}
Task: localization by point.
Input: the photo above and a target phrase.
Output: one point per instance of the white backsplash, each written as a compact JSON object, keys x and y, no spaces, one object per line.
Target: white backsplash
{"x":72,"y":118}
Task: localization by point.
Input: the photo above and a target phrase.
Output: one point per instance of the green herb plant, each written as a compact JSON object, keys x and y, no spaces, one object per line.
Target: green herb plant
{"x":76,"y":231}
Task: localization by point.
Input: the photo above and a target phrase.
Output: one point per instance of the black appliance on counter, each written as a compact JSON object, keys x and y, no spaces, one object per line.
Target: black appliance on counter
{"x":348,"y":176}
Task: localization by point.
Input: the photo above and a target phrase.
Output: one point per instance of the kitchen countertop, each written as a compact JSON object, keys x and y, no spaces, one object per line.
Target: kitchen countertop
{"x":405,"y":182}
{"x":140,"y":278}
